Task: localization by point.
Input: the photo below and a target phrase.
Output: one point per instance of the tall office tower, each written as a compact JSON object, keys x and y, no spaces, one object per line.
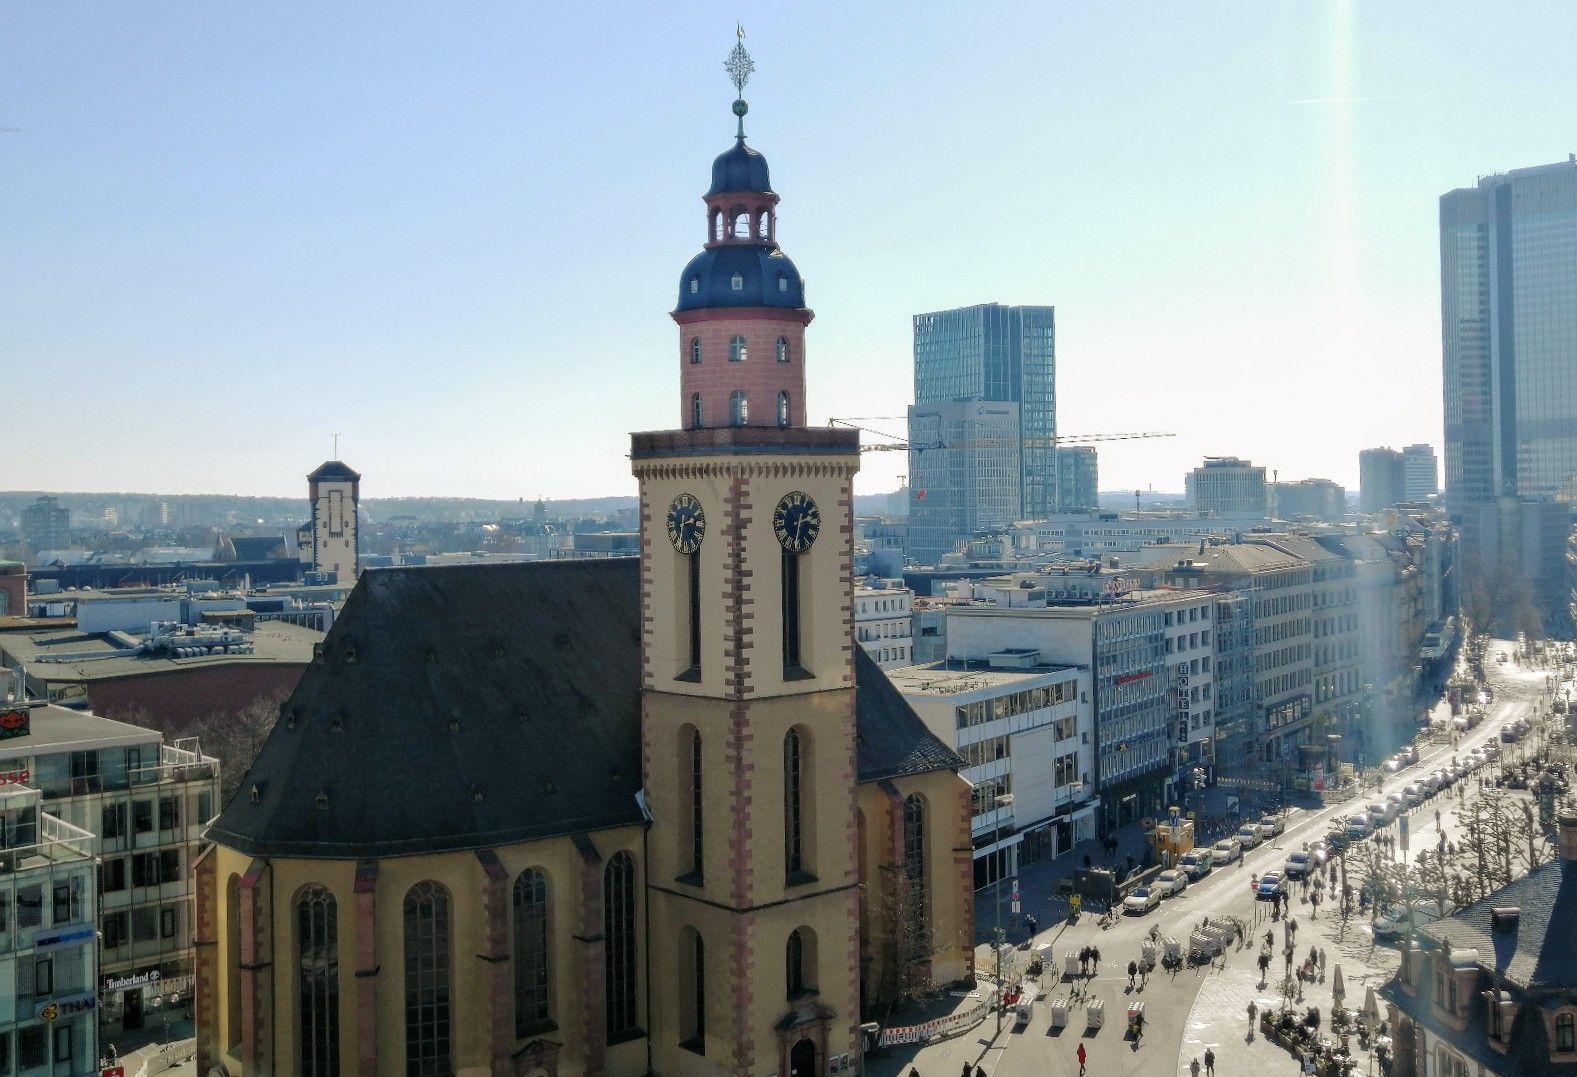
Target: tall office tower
{"x":994,"y":353}
{"x":1381,"y":479}
{"x":1420,"y":473}
{"x":964,"y":469}
{"x":1508,"y":306}
{"x":1078,"y":479}
{"x":46,"y":525}
{"x":1227,"y":486}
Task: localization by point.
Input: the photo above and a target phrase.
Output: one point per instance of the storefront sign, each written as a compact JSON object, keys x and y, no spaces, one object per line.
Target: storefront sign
{"x":125,"y":983}
{"x":64,"y":938}
{"x":16,"y":777}
{"x":69,"y":1006}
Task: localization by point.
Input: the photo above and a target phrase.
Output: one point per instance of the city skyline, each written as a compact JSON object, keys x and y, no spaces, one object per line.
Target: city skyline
{"x":399,"y":230}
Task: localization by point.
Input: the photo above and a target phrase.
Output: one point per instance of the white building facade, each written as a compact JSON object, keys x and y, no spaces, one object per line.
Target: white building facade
{"x":884,"y":623}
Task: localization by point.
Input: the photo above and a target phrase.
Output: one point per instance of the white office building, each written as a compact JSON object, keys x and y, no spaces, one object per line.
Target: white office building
{"x":884,"y":622}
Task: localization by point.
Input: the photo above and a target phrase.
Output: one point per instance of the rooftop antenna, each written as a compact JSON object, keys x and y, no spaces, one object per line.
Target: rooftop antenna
{"x":739,"y":66}
{"x":336,"y":447}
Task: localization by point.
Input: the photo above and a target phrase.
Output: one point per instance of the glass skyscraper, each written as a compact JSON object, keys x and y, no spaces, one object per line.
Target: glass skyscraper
{"x":988,"y":354}
{"x":1508,"y":299}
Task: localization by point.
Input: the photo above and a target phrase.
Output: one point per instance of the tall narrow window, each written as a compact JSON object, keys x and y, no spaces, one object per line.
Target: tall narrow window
{"x":1565,"y":1032}
{"x":618,"y":912}
{"x":233,"y":960}
{"x":695,"y":411}
{"x":791,"y":654}
{"x":695,"y":612}
{"x":697,"y":862}
{"x":783,"y":409}
{"x":738,"y":408}
{"x":738,"y":350}
{"x":793,"y":804}
{"x":800,"y":962}
{"x":695,"y":350}
{"x":915,"y":904}
{"x":427,"y":990}
{"x":317,"y":963}
{"x":532,"y":1009}
{"x":691,"y":968}
{"x":783,"y":349}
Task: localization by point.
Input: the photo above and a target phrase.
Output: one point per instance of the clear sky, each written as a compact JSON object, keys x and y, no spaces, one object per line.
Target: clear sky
{"x":451,"y":233}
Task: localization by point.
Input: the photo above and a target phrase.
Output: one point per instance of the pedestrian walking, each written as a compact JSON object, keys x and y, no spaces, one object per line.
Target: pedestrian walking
{"x":1270,"y":937}
{"x":1292,"y":926}
{"x":969,"y":1071}
{"x":1133,"y":970}
{"x":914,"y":1071}
{"x":1095,"y":960}
{"x":1210,"y":1060}
{"x":1081,"y":1060}
{"x":1322,"y":959}
{"x":1193,"y":1068}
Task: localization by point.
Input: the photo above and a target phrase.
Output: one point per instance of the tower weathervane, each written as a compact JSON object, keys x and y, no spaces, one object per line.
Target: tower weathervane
{"x":739,"y":66}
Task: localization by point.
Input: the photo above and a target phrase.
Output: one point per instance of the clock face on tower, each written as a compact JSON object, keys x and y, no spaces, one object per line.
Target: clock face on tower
{"x":686,"y":523}
{"x":796,"y":522}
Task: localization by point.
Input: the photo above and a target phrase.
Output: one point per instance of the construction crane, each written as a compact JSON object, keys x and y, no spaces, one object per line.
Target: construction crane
{"x":898,"y":444}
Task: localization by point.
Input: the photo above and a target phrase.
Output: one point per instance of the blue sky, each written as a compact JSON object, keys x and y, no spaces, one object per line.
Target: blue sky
{"x":452,"y":233}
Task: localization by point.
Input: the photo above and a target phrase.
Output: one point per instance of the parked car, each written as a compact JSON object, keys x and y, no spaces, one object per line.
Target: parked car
{"x":1248,"y":836}
{"x":1141,"y":900}
{"x":1319,"y":853}
{"x":1171,"y":882}
{"x":1226,"y":850}
{"x":1359,"y":826}
{"x":1401,"y":918}
{"x":1397,"y":804}
{"x":1408,"y":755}
{"x":1196,"y":864}
{"x":1379,"y":813}
{"x":1275,"y":820}
{"x":1338,"y":839}
{"x":1297,"y":865}
{"x":1266,"y":831}
{"x":1413,"y":793}
{"x":1270,"y":885}
{"x":1393,"y":765}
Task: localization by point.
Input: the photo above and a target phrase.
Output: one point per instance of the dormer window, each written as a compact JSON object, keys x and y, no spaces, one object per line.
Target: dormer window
{"x":695,"y":285}
{"x":737,"y":283}
{"x":1565,"y":1032}
{"x":782,"y":282}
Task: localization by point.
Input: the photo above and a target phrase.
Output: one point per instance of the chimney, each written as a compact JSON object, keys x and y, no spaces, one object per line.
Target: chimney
{"x":1566,"y":839}
{"x":1505,"y":918}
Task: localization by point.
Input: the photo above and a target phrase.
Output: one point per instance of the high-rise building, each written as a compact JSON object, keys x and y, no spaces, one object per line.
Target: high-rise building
{"x":46,"y":525}
{"x":990,"y":352}
{"x":1078,"y":479}
{"x":1319,"y":498}
{"x":335,"y":493}
{"x":1227,"y":486}
{"x":1381,"y":479}
{"x":1420,"y":473}
{"x":964,"y":463}
{"x":1508,"y":272}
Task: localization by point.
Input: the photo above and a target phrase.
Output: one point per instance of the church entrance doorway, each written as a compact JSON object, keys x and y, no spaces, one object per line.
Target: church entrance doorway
{"x":802,"y":1059}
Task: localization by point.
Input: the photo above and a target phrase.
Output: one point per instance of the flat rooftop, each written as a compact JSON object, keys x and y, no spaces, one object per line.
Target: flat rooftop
{"x":61,"y":729}
{"x":954,"y":677}
{"x":51,"y":654}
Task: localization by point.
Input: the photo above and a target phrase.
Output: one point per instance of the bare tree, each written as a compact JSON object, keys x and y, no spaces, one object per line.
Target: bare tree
{"x":235,"y":740}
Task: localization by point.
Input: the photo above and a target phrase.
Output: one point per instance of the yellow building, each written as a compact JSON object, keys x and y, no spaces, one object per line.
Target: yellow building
{"x":656,"y":814}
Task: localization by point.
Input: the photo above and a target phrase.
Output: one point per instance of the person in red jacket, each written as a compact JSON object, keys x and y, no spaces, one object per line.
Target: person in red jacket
{"x":1081,"y":1060}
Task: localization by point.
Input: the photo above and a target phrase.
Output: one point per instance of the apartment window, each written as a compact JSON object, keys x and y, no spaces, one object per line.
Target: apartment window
{"x":142,"y":816}
{"x":145,"y":869}
{"x":317,"y":952}
{"x":531,"y":952}
{"x":43,"y":977}
{"x":205,"y":806}
{"x":30,"y":1045}
{"x":427,"y":990}
{"x":169,"y":922}
{"x":169,"y":813}
{"x":114,"y":821}
{"x":63,"y":1042}
{"x":67,"y":900}
{"x":29,"y":906}
{"x":85,"y":772}
{"x":618,"y":907}
{"x":170,"y":866}
{"x":115,"y":930}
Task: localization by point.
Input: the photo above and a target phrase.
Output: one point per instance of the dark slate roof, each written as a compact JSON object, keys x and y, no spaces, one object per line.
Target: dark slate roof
{"x":1537,"y":956}
{"x":259,"y":547}
{"x":740,"y":168}
{"x":471,"y":706}
{"x":759,"y":266}
{"x":333,"y":469}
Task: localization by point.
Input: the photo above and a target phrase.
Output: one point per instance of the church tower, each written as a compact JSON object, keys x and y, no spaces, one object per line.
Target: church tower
{"x":748,"y":747}
{"x":334,"y":492}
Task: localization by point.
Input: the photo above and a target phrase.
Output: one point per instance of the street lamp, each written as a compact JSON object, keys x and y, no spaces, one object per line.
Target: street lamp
{"x":1004,"y":800}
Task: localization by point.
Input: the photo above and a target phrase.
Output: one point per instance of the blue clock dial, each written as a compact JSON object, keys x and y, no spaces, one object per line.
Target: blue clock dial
{"x":686,"y":523}
{"x":796,"y":522}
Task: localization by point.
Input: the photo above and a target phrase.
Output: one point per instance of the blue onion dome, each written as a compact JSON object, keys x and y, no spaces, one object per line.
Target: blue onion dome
{"x":743,"y":275}
{"x":740,"y":169}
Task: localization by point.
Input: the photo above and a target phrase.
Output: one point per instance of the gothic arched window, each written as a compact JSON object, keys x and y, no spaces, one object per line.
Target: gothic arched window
{"x":695,"y":351}
{"x":618,"y":929}
{"x":427,"y":987}
{"x":793,"y":804}
{"x":532,"y":998}
{"x":317,"y":983}
{"x":800,"y":962}
{"x":738,"y":408}
{"x":692,"y":750}
{"x":692,"y":991}
{"x":783,"y":409}
{"x":783,"y":349}
{"x":738,"y":350}
{"x":695,"y":410}
{"x":915,"y":911}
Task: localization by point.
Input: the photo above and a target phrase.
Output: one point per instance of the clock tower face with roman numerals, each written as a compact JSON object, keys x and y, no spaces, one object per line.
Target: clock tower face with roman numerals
{"x":796,"y":522}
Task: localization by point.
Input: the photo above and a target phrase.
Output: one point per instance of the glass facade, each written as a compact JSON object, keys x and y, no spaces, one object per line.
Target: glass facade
{"x":1000,"y":354}
{"x":963,"y":474}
